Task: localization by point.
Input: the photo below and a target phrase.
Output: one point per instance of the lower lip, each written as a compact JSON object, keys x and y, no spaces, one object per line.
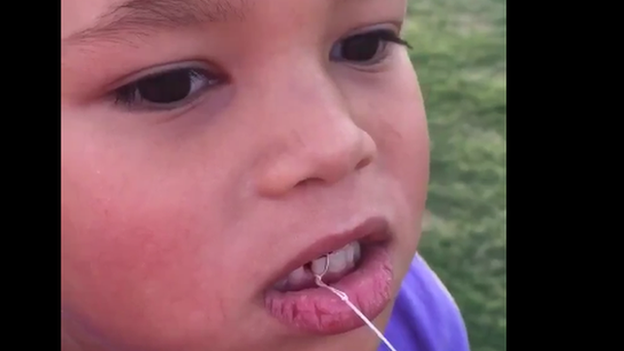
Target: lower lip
{"x":318,"y":310}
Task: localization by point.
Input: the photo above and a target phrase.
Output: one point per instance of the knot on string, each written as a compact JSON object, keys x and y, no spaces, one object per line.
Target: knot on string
{"x":345,"y":298}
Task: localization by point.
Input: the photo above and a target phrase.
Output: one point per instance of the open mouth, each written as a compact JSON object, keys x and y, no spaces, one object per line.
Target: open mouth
{"x":341,"y":262}
{"x":359,"y":264}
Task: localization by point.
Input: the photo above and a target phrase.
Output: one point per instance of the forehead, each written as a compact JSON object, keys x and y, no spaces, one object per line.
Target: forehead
{"x":105,"y":15}
{"x":77,"y":15}
{"x":100,"y":21}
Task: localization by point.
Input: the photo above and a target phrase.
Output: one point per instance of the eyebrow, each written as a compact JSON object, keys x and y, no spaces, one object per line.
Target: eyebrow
{"x":142,"y":17}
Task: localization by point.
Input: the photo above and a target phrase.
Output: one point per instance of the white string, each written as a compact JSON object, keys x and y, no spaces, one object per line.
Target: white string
{"x":343,"y":296}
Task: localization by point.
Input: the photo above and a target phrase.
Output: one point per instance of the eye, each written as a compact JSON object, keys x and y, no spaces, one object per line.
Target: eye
{"x":365,"y":48}
{"x":165,"y":90}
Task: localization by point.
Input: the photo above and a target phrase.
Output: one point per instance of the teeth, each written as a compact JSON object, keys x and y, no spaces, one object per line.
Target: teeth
{"x":318,"y":265}
{"x":356,"y":252}
{"x":350,"y":253}
{"x":297,"y":276}
{"x":281,"y":284}
{"x":339,"y":261}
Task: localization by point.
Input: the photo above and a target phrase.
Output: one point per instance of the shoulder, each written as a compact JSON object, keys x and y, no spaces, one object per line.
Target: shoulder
{"x":425,"y":316}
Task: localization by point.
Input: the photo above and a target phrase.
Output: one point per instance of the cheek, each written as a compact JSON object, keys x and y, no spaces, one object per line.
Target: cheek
{"x":397,"y":122}
{"x":408,"y":138}
{"x":406,"y":145}
{"x":146,"y":247}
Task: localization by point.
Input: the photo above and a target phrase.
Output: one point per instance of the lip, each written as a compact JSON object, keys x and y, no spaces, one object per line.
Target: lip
{"x":318,"y":311}
{"x":372,"y":230}
{"x":369,"y":287}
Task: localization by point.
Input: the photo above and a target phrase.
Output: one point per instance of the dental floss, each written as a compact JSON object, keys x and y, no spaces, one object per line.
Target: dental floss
{"x":343,"y":296}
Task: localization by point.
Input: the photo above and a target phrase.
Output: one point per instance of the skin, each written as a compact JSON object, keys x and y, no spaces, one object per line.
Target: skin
{"x":174,"y":221}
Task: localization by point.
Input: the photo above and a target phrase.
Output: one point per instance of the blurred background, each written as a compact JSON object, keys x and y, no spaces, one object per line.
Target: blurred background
{"x":459,"y":54}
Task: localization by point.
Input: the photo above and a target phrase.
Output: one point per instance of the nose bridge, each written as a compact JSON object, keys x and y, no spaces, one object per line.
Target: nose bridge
{"x":321,"y":125}
{"x":313,"y":134}
{"x":305,"y":88}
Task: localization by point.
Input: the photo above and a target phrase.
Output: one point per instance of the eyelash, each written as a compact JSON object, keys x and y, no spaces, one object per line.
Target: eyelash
{"x":384,"y":36}
{"x":131,"y":96}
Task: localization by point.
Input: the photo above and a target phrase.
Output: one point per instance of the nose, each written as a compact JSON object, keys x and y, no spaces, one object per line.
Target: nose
{"x":317,"y":140}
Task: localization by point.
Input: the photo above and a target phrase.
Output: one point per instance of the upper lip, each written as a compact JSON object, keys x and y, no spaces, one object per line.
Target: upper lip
{"x":371,"y":230}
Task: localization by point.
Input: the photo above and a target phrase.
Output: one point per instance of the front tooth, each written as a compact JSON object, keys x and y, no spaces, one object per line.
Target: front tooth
{"x":318,"y":265}
{"x":338,"y":261}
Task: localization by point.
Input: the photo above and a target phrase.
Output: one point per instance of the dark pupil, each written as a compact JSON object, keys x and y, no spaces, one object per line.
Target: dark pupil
{"x":165,"y":88}
{"x":360,"y":47}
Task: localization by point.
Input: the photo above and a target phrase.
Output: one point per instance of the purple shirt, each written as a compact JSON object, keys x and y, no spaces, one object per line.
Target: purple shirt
{"x":425,"y":316}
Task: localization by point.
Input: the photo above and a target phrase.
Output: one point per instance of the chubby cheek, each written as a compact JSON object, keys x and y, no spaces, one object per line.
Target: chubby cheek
{"x":402,"y":138}
{"x":408,"y":158}
{"x":138,"y":256}
{"x":410,"y":164}
{"x":408,"y":151}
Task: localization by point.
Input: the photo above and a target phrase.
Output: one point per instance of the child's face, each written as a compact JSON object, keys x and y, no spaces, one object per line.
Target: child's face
{"x":268,"y":134}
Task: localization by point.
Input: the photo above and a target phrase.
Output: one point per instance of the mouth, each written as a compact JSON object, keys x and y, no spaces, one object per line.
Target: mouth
{"x":359,"y":265}
{"x":332,"y":265}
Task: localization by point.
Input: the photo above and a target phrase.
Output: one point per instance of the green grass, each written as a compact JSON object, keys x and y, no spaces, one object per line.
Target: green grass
{"x":459,"y":54}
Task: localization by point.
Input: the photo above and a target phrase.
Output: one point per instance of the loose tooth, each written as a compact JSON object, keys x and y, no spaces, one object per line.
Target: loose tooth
{"x":338,"y":261}
{"x":318,"y":265}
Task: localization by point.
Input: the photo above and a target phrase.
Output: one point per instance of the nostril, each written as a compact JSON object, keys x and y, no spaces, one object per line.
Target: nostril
{"x":309,"y":181}
{"x":363,"y":163}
